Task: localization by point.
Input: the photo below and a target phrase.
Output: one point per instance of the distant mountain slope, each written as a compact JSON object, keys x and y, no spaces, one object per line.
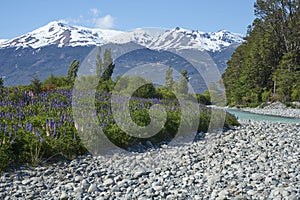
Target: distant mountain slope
{"x":51,"y":48}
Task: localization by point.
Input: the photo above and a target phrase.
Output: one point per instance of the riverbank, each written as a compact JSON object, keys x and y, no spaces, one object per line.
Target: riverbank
{"x":257,"y":160}
{"x":275,"y":109}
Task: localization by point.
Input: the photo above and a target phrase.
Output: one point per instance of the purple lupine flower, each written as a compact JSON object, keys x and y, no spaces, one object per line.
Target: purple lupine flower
{"x":30,"y":127}
{"x":54,"y":132}
{"x":5,"y":129}
{"x":52,"y":123}
{"x":41,"y":139}
{"x":15,"y":128}
{"x":37,"y":133}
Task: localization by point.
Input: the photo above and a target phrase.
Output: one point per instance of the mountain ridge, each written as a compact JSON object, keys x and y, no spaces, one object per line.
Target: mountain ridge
{"x":61,"y":34}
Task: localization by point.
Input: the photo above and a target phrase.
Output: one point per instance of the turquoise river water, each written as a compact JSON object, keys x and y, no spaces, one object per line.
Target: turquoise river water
{"x":257,"y":117}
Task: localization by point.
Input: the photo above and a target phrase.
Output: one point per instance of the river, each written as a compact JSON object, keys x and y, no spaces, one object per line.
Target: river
{"x":242,"y":115}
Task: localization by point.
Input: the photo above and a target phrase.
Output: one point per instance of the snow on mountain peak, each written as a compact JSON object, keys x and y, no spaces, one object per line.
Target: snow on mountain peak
{"x":179,"y":38}
{"x":2,"y":40}
{"x":139,"y":36}
{"x":61,"y":34}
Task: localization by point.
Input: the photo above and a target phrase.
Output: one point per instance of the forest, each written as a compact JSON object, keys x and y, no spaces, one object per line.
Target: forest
{"x":266,"y":67}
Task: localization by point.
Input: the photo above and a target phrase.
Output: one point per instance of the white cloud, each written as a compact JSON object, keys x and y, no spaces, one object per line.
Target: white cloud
{"x":95,"y":12}
{"x":64,"y":21}
{"x":105,"y":22}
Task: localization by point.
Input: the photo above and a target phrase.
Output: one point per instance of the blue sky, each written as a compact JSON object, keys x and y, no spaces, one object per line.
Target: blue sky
{"x":19,"y":17}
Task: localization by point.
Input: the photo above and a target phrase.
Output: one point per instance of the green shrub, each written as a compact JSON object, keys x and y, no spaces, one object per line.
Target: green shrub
{"x":265,"y":96}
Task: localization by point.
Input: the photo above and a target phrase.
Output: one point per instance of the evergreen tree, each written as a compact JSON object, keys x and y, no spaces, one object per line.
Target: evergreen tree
{"x":108,"y":65}
{"x":72,"y":71}
{"x":169,"y":78}
{"x":36,"y":84}
{"x":183,"y":83}
{"x":99,"y":64}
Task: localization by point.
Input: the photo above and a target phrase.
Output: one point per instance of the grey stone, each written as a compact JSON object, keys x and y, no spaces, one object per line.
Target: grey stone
{"x":108,"y":182}
{"x":78,"y":178}
{"x":92,"y":188}
{"x":63,"y":196}
{"x":26,"y":181}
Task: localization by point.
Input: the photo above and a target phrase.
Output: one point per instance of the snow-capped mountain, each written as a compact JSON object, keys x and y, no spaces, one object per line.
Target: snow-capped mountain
{"x":51,"y":48}
{"x":60,"y":34}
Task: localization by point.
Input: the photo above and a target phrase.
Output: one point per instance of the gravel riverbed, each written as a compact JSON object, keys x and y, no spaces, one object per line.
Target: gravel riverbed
{"x":257,"y":160}
{"x":276,"y":109}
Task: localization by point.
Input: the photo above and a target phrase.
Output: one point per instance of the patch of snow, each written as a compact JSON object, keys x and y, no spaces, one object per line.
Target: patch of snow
{"x":2,"y":40}
{"x":180,"y":38}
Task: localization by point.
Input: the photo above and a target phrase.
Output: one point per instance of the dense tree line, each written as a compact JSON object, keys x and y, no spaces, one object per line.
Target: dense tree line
{"x":266,"y":67}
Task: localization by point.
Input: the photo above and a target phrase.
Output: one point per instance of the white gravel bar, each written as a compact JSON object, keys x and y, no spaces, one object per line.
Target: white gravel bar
{"x":276,"y":109}
{"x":257,"y":160}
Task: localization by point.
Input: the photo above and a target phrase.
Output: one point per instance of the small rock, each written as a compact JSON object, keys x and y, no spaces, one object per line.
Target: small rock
{"x":92,"y":188}
{"x":139,"y":172}
{"x":108,"y":182}
{"x":251,"y":192}
{"x":84,"y":183}
{"x":26,"y":181}
{"x":63,"y":195}
{"x":78,"y":178}
{"x":222,"y":194}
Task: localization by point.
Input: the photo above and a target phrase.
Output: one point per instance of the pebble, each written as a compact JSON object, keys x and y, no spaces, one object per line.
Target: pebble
{"x":63,"y":196}
{"x":108,"y":182}
{"x":78,"y":178}
{"x":92,"y":188}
